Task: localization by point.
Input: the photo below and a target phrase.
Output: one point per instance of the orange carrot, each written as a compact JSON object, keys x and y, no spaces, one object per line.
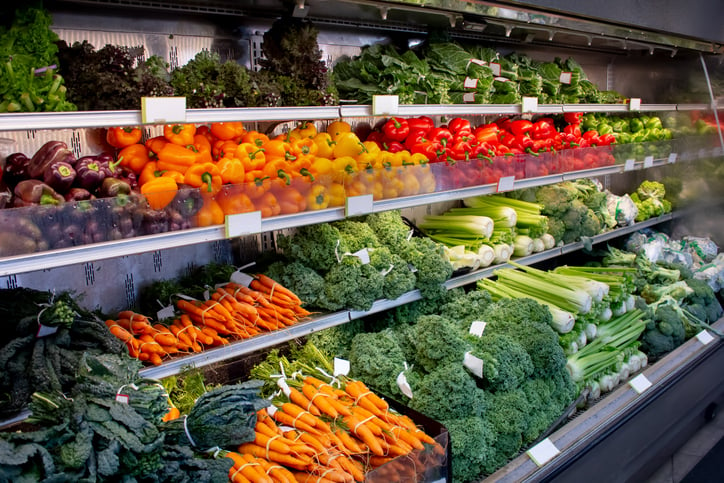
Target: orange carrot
{"x":300,"y":399}
{"x":288,"y":460}
{"x":284,"y":418}
{"x":363,"y":432}
{"x":299,"y":413}
{"x":319,"y":400}
{"x":273,"y":443}
{"x":309,"y":478}
{"x":271,"y":283}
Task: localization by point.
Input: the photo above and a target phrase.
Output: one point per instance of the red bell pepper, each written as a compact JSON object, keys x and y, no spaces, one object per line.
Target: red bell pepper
{"x":487,"y":133}
{"x":376,"y":137}
{"x":414,"y":138}
{"x":420,"y":124}
{"x":606,"y":139}
{"x":573,"y":117}
{"x":440,"y":135}
{"x":461,"y":150}
{"x":396,"y":129}
{"x":521,"y":127}
{"x":542,"y":129}
{"x":392,"y":146}
{"x":459,"y":125}
{"x":592,"y":137}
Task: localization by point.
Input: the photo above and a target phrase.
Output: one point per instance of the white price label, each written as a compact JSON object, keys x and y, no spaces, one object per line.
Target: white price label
{"x":565,"y":77}
{"x":648,"y":162}
{"x":640,"y":383}
{"x":45,"y":330}
{"x":473,"y":364}
{"x":341,"y":367}
{"x":469,"y":97}
{"x":165,"y":313}
{"x":495,"y":68}
{"x":385,"y":105}
{"x":163,"y":109}
{"x":704,"y":337}
{"x":241,"y":278}
{"x":478,"y":62}
{"x":543,"y":452}
{"x":672,"y":158}
{"x":634,"y":104}
{"x":404,"y":385}
{"x":530,"y":104}
{"x":470,"y":83}
{"x":629,"y":165}
{"x":122,"y":398}
{"x":501,"y":79}
{"x":506,"y":183}
{"x":241,"y":224}
{"x":358,"y":205}
{"x":363,"y":255}
{"x":477,"y":328}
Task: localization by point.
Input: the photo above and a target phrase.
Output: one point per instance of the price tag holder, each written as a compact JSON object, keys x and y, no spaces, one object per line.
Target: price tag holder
{"x":469,"y":97}
{"x":629,"y":165}
{"x":565,"y":77}
{"x":385,"y":105}
{"x":165,"y":313}
{"x":363,"y":255}
{"x":530,"y":104}
{"x":163,"y":109}
{"x":358,"y":205}
{"x":45,"y":330}
{"x":672,"y":158}
{"x":242,"y":224}
{"x":543,"y":452}
{"x":648,"y":162}
{"x":640,"y":383}
{"x":634,"y":104}
{"x":473,"y":364}
{"x":122,"y":398}
{"x":477,"y":328}
{"x":470,"y":83}
{"x":241,"y":278}
{"x":495,"y":67}
{"x":404,"y":385}
{"x":341,"y":367}
{"x":506,"y":183}
{"x":705,"y":337}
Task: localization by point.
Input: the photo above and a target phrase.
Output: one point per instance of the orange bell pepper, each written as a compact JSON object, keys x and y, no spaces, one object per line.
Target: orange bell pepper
{"x":205,"y":132}
{"x":176,"y":157}
{"x":181,"y":134}
{"x":155,"y":145}
{"x":222,"y":148}
{"x":227,"y":130}
{"x":203,"y":147}
{"x":210,"y":213}
{"x":276,"y":148}
{"x":256,"y":184}
{"x":120,"y":137}
{"x":305,"y":129}
{"x":267,"y":204}
{"x":149,"y":172}
{"x":233,"y":199}
{"x":304,"y":147}
{"x":251,"y":156}
{"x":134,"y":157}
{"x":205,"y":176}
{"x":290,"y":200}
{"x":256,"y":138}
{"x":231,"y":169}
{"x":174,"y":175}
{"x":159,"y":192}
{"x":278,"y":169}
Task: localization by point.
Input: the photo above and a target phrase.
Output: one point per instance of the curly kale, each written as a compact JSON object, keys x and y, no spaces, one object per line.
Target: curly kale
{"x":351,"y":284}
{"x":391,"y":229}
{"x":356,"y":235}
{"x":506,"y":364}
{"x":377,"y":359}
{"x":449,"y":392}
{"x":336,"y":341}
{"x":317,"y":246}
{"x":437,"y":342}
{"x":466,"y":308}
{"x":508,"y":414}
{"x":471,"y":440}
{"x":304,"y":281}
{"x":432,"y":268}
{"x":398,"y":278}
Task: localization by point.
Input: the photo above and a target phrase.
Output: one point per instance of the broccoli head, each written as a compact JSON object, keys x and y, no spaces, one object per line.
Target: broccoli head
{"x":471,"y":442}
{"x":352,"y":284}
{"x":356,"y":234}
{"x":664,"y":332}
{"x":651,"y":189}
{"x":506,"y":364}
{"x":556,"y":228}
{"x":317,"y":246}
{"x":437,"y":341}
{"x":377,"y":359}
{"x":398,"y":278}
{"x":449,"y":392}
{"x":702,"y":301}
{"x":556,"y":198}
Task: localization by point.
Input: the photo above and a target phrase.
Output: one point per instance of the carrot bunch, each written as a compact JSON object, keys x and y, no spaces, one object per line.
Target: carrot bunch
{"x":322,"y":433}
{"x":232,"y":312}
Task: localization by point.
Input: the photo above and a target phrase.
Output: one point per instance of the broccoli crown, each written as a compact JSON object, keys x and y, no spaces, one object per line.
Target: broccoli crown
{"x":352,"y":284}
{"x":337,"y":340}
{"x":432,"y":268}
{"x":506,"y":364}
{"x":472,"y":439}
{"x":398,"y":278}
{"x":702,"y":300}
{"x":664,"y":333}
{"x":508,"y":414}
{"x":449,"y":392}
{"x":556,"y":198}
{"x":591,"y":224}
{"x":649,"y":207}
{"x":529,"y":323}
{"x":356,"y":234}
{"x":650,"y":189}
{"x":437,"y":341}
{"x":305,"y":282}
{"x":556,"y":228}
{"x":390,"y":228}
{"x":377,"y":359}
{"x":317,"y":246}
{"x":465,"y":309}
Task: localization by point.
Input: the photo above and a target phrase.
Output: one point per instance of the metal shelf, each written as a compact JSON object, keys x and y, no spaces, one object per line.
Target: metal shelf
{"x":322,"y":322}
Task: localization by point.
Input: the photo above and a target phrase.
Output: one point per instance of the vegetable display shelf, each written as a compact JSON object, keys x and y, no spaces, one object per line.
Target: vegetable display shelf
{"x":101,"y":119}
{"x":317,"y":323}
{"x":82,"y":253}
{"x":690,"y":374}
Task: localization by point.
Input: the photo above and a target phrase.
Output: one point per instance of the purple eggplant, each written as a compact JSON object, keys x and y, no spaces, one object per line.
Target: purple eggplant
{"x":91,"y":172}
{"x":49,"y":153}
{"x":16,"y":168}
{"x":59,"y":176}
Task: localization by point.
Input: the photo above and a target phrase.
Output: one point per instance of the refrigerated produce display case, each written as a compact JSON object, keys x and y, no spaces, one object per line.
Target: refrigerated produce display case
{"x":654,"y":61}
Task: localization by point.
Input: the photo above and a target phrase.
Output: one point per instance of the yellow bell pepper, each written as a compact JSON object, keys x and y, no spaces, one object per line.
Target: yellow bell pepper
{"x":325,"y":145}
{"x":348,"y":144}
{"x":336,"y":128}
{"x":318,"y":197}
{"x":337,"y":194}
